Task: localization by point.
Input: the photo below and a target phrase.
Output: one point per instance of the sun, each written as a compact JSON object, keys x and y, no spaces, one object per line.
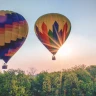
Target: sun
{"x":65,"y":50}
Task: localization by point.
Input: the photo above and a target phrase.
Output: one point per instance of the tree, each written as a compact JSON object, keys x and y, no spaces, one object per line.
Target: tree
{"x":47,"y":85}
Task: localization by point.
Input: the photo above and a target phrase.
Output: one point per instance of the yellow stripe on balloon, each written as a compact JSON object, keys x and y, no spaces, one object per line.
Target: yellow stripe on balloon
{"x":2,"y":39}
{"x":15,"y":31}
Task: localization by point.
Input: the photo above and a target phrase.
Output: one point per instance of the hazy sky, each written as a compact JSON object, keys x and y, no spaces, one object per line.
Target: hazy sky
{"x":79,"y":48}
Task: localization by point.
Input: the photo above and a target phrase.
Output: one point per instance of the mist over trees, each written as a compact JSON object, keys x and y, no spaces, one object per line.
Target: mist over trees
{"x":77,"y":81}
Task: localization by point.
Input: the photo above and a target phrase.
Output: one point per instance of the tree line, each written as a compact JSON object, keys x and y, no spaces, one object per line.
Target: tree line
{"x":77,"y":81}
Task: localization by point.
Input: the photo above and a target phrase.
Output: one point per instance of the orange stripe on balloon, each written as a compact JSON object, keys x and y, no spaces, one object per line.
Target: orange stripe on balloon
{"x":54,"y":50}
{"x":51,"y":45}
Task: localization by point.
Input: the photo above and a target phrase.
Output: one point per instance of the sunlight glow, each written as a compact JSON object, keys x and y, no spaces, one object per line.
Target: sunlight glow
{"x":65,"y":50}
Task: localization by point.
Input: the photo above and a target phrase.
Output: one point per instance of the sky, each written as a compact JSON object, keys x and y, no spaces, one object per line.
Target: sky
{"x":79,"y":48}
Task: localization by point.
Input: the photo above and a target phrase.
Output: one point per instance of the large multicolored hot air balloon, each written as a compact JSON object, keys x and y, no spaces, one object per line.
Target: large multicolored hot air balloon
{"x":52,"y":30}
{"x":13,"y":32}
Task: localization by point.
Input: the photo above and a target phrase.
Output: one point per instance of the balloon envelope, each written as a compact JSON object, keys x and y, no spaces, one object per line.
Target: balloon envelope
{"x":52,"y":30}
{"x":13,"y":32}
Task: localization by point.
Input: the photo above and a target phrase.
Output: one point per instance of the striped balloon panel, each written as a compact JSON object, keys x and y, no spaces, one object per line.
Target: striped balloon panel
{"x":13,"y":32}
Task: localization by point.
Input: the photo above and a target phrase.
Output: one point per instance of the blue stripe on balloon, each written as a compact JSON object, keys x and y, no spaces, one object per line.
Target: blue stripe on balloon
{"x":55,"y":30}
{"x":2,"y":25}
{"x":21,"y":18}
{"x":9,"y":46}
{"x":14,"y":17}
{"x":4,"y":49}
{"x":6,"y":58}
{"x":9,"y":20}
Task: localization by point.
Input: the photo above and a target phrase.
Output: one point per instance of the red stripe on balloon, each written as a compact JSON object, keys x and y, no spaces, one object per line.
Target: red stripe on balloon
{"x":8,"y":27}
{"x":12,"y":51}
{"x":2,"y":30}
{"x":45,"y":31}
{"x":65,"y":27}
{"x":15,"y":24}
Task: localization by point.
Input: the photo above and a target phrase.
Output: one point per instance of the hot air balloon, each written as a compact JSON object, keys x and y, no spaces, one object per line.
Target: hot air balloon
{"x":52,"y":30}
{"x":13,"y":32}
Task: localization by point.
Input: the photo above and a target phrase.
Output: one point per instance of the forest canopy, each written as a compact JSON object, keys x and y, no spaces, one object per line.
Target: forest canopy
{"x":77,"y":81}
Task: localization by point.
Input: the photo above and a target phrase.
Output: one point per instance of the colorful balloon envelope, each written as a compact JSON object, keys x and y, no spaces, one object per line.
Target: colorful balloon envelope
{"x":52,"y":30}
{"x":13,"y":32}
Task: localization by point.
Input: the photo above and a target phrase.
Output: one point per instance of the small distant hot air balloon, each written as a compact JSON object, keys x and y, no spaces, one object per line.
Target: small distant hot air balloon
{"x":52,"y":30}
{"x":13,"y":32}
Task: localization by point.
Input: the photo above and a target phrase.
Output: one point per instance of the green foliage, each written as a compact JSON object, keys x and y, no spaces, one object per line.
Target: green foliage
{"x":78,"y":81}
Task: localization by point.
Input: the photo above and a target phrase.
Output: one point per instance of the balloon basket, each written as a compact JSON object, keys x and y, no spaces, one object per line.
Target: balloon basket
{"x":53,"y":57}
{"x":4,"y":66}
